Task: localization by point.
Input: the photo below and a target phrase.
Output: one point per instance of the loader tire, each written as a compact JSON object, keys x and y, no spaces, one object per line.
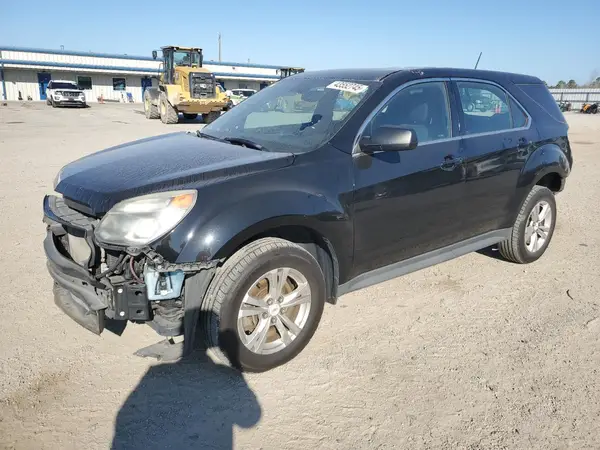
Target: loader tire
{"x":150,"y":109}
{"x":211,"y":117}
{"x":168,"y":114}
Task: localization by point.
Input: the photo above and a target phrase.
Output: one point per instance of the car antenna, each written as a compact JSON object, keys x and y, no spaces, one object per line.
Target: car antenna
{"x":477,"y":63}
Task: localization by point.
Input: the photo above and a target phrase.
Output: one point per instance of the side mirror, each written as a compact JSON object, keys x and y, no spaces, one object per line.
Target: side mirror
{"x":389,"y":139}
{"x":154,"y":54}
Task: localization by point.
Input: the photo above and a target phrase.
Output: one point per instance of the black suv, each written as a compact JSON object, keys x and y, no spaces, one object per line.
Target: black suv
{"x":247,"y":227}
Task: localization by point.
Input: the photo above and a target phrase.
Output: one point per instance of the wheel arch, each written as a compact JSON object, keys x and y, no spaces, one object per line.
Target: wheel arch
{"x":312,"y":240}
{"x":546,"y":166}
{"x":544,"y":160}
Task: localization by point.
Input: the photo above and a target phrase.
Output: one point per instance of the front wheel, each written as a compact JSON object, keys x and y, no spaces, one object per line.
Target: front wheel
{"x":150,"y":109}
{"x":263,"y":305}
{"x":168,"y":114}
{"x":533,"y":229}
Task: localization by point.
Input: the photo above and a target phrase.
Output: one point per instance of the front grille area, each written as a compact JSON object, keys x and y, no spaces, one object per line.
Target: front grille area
{"x":202,"y":85}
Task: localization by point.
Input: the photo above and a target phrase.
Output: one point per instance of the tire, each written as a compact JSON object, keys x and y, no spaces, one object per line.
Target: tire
{"x":515,"y":249}
{"x":53,"y":103}
{"x":150,"y":109}
{"x":211,"y":117}
{"x":223,"y":300}
{"x":470,"y":107}
{"x":48,"y":101}
{"x":168,"y":114}
{"x":189,"y":116}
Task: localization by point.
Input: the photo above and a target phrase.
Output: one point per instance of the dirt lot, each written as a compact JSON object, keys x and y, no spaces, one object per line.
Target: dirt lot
{"x":475,"y":353}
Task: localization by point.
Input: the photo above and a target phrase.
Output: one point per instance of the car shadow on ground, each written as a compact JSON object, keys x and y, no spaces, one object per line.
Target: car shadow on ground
{"x":189,"y":404}
{"x":492,"y":252}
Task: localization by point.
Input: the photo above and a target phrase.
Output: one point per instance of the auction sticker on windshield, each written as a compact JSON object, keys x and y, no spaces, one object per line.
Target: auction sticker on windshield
{"x":347,"y":86}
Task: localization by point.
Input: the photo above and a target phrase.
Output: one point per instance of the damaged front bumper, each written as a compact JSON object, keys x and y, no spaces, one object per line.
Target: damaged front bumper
{"x":92,"y":283}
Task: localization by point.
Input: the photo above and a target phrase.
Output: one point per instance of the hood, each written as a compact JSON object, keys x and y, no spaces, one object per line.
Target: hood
{"x":162,"y":163}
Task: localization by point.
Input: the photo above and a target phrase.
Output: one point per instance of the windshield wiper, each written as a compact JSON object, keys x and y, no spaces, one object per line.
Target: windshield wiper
{"x":200,"y":134}
{"x":244,"y":142}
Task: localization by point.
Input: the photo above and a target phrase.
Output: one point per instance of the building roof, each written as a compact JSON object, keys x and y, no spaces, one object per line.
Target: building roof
{"x":124,"y":56}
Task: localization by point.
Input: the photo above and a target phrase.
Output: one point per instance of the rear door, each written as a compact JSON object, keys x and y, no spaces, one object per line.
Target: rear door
{"x":496,"y":132}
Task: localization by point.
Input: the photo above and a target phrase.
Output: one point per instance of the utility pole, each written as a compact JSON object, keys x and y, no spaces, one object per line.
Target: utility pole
{"x":219,"y":47}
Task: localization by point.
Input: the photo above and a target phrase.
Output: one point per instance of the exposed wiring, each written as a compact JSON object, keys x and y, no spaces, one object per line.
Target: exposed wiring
{"x":112,"y":268}
{"x":132,"y":270}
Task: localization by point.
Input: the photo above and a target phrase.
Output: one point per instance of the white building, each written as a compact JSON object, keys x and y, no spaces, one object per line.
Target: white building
{"x":25,"y":73}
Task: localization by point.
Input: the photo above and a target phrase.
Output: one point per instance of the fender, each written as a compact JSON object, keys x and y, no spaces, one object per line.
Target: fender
{"x":154,"y":94}
{"x":172,"y":91}
{"x":548,"y":158}
{"x":217,"y":234}
{"x":545,"y":159}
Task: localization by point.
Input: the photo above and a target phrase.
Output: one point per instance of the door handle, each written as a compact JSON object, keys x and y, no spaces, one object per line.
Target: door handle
{"x":450,"y":163}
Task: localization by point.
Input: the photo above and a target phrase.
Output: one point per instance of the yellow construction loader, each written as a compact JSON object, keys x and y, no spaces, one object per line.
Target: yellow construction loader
{"x":184,"y":87}
{"x":285,"y":72}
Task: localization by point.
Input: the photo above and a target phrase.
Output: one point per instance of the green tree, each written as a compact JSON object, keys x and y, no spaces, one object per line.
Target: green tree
{"x":571,"y":84}
{"x":561,"y":84}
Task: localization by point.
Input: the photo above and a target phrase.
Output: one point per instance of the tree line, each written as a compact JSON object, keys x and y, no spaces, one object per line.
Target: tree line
{"x":572,"y":84}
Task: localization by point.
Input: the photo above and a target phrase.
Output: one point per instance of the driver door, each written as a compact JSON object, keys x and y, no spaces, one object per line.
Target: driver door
{"x":407,"y":203}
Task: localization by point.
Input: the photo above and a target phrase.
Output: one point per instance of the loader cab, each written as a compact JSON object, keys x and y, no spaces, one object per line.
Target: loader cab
{"x":285,"y":72}
{"x":174,"y":57}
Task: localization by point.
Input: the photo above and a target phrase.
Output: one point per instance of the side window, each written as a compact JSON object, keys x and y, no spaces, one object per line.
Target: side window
{"x":485,"y":107}
{"x":49,"y":85}
{"x":519,"y":117}
{"x":119,"y":84}
{"x":422,"y":107}
{"x":84,"y":82}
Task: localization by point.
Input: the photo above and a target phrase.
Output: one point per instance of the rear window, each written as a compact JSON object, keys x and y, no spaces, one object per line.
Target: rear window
{"x":540,"y":94}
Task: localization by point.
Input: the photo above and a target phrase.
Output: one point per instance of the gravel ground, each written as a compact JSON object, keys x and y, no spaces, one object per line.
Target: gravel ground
{"x":475,"y":353}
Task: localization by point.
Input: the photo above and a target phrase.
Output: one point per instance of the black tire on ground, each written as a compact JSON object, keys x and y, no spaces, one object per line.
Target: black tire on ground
{"x":47,"y":101}
{"x":514,"y":248}
{"x":54,"y":105}
{"x":221,"y":304}
{"x":168,"y":114}
{"x":190,"y":116}
{"x":150,"y":109}
{"x":211,"y":117}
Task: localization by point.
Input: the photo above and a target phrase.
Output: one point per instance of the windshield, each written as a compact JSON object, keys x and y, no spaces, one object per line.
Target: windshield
{"x":56,"y":85}
{"x":292,"y":115}
{"x":181,"y":58}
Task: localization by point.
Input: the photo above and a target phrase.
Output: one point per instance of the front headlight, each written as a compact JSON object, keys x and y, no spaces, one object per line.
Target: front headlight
{"x":58,"y":93}
{"x":141,"y":220}
{"x":58,"y":178}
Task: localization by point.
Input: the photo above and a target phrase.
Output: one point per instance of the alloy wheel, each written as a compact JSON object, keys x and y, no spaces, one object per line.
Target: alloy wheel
{"x":274,"y":311}
{"x":538,"y":226}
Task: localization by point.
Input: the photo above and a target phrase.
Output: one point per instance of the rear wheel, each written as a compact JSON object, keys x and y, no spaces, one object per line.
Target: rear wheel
{"x":263,"y":305}
{"x":533,"y":229}
{"x":189,"y":116}
{"x":150,"y":109}
{"x":168,"y":114}
{"x":211,"y":117}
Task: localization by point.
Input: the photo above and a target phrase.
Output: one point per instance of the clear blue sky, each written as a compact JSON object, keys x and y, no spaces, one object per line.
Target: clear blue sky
{"x":549,"y":39}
